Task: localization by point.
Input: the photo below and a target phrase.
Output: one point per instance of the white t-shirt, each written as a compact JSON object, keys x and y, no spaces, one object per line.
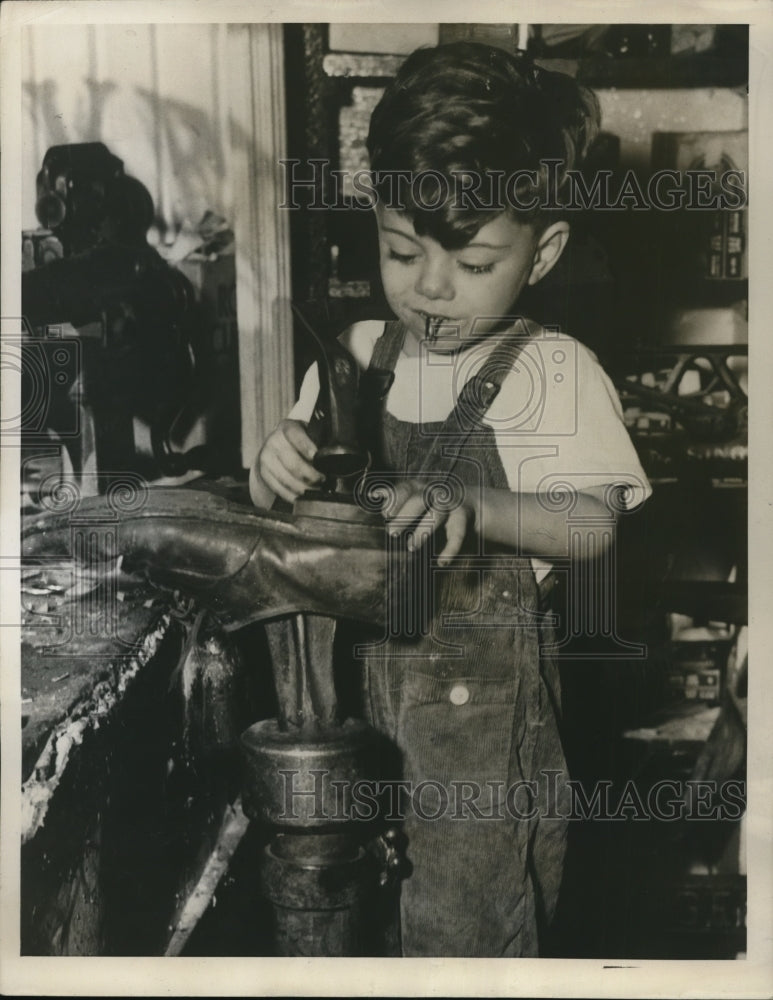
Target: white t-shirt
{"x":556,"y":420}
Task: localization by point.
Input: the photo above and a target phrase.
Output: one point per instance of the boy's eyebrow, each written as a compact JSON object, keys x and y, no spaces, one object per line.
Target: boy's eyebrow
{"x":474,"y":245}
{"x":399,"y":232}
{"x":488,"y":246}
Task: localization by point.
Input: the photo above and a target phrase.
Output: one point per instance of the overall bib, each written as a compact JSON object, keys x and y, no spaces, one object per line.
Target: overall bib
{"x":472,"y":711}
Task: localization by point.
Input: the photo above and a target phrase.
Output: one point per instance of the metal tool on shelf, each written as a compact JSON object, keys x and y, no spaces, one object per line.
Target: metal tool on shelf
{"x":677,"y":426}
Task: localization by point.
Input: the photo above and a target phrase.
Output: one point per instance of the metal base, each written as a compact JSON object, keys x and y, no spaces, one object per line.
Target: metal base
{"x":316,"y":894}
{"x":301,"y":779}
{"x":315,"y":871}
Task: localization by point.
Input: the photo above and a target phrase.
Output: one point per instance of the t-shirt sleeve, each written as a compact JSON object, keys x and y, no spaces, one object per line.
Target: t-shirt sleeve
{"x":558,"y":422}
{"x":307,"y":398}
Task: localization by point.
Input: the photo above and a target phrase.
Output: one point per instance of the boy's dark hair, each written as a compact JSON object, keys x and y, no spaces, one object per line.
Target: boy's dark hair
{"x":468,"y":114}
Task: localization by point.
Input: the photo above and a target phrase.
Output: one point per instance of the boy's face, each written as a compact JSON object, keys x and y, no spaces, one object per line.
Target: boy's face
{"x":466,"y":289}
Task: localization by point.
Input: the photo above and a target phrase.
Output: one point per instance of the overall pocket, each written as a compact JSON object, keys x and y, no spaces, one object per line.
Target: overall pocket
{"x":470,"y":892}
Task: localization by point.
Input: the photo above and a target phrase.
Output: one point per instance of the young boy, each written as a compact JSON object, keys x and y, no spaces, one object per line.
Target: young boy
{"x":469,"y":149}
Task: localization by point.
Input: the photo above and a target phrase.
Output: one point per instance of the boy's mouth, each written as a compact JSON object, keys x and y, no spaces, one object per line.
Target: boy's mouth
{"x":433,"y":323}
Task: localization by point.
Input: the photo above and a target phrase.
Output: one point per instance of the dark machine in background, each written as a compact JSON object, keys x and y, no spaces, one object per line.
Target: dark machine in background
{"x":142,"y":350}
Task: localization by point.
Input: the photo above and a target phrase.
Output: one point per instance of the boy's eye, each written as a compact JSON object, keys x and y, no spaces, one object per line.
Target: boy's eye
{"x":402,"y":258}
{"x":476,"y":268}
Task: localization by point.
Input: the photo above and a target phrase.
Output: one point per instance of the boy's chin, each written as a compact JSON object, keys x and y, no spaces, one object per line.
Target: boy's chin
{"x":444,"y":345}
{"x":449,"y":339}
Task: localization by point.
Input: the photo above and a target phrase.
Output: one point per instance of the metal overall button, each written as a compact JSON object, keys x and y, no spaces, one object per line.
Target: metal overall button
{"x":459,"y":695}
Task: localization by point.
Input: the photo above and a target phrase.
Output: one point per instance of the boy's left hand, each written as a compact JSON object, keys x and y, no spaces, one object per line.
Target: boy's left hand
{"x":421,"y":508}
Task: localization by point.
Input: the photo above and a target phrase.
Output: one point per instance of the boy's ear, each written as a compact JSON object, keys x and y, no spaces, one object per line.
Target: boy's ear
{"x":549,"y":248}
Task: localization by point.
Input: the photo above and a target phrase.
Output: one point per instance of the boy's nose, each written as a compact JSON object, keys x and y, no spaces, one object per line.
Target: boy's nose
{"x":435,"y":282}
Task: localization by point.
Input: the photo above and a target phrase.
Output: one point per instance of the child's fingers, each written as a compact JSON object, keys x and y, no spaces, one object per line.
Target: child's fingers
{"x":296,"y":451}
{"x":456,"y":530}
{"x":294,"y":467}
{"x":287,"y":456}
{"x":424,"y":530}
{"x":407,"y":513}
{"x":280,"y":482}
{"x":295,"y":433}
{"x":277,"y":488}
{"x":283,"y":469}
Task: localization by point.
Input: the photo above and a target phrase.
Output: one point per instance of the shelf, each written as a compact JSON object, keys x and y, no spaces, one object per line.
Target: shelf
{"x":361,"y":66}
{"x":348,"y":289}
{"x":654,"y":72}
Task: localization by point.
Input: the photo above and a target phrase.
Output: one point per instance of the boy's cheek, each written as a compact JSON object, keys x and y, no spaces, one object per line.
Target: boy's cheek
{"x":389,"y":270}
{"x":395,"y":283}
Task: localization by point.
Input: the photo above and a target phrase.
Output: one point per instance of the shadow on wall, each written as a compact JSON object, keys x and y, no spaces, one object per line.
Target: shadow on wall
{"x":186,"y":142}
{"x":179,"y":150}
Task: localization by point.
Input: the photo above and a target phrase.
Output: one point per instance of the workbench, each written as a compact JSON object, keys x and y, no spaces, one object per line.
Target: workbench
{"x":129,"y":773}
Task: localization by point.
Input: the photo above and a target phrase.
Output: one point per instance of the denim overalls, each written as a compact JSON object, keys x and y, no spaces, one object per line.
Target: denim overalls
{"x":472,"y":710}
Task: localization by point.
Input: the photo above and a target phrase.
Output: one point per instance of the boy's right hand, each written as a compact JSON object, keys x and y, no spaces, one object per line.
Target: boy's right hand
{"x":285,"y":460}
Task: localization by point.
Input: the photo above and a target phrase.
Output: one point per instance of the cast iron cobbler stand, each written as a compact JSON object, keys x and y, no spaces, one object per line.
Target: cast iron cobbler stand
{"x":296,"y":572}
{"x":300,"y":767}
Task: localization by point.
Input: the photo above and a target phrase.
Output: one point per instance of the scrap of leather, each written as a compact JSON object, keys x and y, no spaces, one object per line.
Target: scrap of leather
{"x":243,"y":563}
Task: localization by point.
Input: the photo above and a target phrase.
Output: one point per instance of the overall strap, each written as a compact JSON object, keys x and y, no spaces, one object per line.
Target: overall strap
{"x":477,"y":395}
{"x":387,"y":348}
{"x":375,"y":383}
